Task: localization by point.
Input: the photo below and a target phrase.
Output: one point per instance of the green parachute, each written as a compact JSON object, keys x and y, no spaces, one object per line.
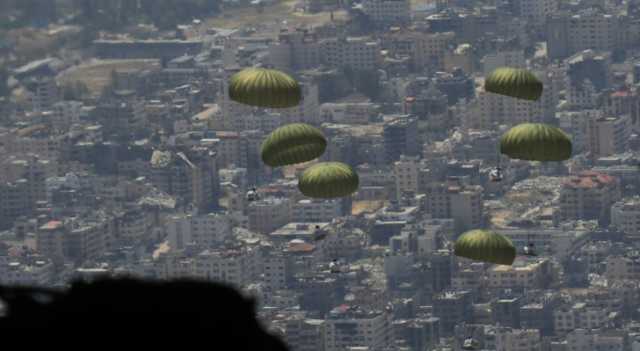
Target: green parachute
{"x":263,"y":87}
{"x":514,"y":82}
{"x":328,"y":180}
{"x":485,"y":246}
{"x":536,"y":142}
{"x":293,"y":143}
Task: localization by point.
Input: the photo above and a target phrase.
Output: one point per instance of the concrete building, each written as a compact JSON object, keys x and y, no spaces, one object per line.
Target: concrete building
{"x":358,"y":53}
{"x":304,"y":334}
{"x":44,"y":93}
{"x":406,"y":172}
{"x":277,"y":271}
{"x":14,"y":202}
{"x":583,"y":338}
{"x":625,"y":216}
{"x":348,"y":113}
{"x":66,"y":113}
{"x":623,"y":267}
{"x":348,"y":326}
{"x":33,"y":272}
{"x":295,"y":50}
{"x":204,"y":230}
{"x":623,"y":102}
{"x":461,"y":202}
{"x":452,"y":308}
{"x":299,"y":231}
{"x":165,"y":49}
{"x":192,"y":178}
{"x":400,"y":135}
{"x":588,"y":29}
{"x":506,"y":312}
{"x":508,"y":339}
{"x":576,"y":124}
{"x":588,"y":195}
{"x":268,"y":214}
{"x":608,"y":135}
{"x":387,"y":12}
{"x":579,"y":315}
{"x":522,"y":274}
{"x":307,"y":210}
{"x":535,"y":11}
{"x":236,"y":267}
{"x":426,"y":50}
{"x":87,"y":240}
{"x":50,"y":241}
{"x":38,"y":140}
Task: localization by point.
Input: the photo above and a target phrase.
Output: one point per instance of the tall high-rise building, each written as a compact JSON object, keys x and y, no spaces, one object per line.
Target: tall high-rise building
{"x":400,"y":135}
{"x":191,"y":176}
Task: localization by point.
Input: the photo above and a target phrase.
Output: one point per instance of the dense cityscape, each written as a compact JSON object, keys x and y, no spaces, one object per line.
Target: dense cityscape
{"x":123,"y":153}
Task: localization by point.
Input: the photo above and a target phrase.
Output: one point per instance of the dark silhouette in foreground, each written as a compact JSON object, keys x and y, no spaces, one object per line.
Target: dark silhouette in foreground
{"x":128,"y":303}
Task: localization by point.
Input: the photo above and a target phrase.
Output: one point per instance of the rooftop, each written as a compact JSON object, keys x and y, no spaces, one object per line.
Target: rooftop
{"x":589,"y":179}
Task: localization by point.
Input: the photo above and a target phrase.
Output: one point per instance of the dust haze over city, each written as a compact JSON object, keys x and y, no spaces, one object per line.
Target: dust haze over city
{"x":324,"y":175}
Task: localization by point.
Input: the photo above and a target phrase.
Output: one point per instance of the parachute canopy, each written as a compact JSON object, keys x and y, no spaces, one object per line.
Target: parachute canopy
{"x":514,"y":82}
{"x":536,"y":142}
{"x":291,"y":144}
{"x":328,"y":180}
{"x":262,"y":87}
{"x":486,"y":246}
